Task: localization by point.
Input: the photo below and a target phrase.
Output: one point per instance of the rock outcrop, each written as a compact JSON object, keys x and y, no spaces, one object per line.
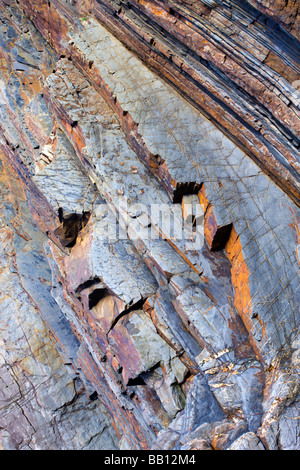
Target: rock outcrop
{"x":149,"y":225}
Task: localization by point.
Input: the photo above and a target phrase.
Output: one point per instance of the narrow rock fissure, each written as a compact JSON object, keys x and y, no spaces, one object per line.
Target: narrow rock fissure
{"x":136,"y":306}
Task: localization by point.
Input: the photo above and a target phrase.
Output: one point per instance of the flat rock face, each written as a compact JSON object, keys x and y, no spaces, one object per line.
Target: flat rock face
{"x":149,"y":265}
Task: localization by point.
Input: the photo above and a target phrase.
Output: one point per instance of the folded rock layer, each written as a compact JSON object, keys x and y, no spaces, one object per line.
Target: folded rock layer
{"x":149,"y":225}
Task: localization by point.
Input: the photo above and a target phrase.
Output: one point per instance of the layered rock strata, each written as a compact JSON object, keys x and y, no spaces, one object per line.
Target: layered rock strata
{"x":150,"y":256}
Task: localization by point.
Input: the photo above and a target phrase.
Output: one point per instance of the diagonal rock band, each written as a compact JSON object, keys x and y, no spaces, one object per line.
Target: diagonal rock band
{"x":149,"y":225}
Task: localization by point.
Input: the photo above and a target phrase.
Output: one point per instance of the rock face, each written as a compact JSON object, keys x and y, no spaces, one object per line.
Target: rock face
{"x":149,"y":225}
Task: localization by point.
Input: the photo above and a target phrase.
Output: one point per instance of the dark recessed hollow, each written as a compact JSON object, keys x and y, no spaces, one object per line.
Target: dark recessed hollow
{"x":136,"y":381}
{"x":71,"y":226}
{"x":221,"y":238}
{"x":185,"y":189}
{"x":97,"y":295}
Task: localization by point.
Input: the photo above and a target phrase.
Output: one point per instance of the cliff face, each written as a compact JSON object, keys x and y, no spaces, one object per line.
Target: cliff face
{"x":149,"y":225}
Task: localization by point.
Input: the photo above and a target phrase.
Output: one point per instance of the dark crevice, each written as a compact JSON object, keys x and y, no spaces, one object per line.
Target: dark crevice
{"x":142,"y":377}
{"x":71,"y":224}
{"x":97,"y":295}
{"x":136,"y":306}
{"x":221,"y":237}
{"x":185,"y":189}
{"x":85,"y":285}
{"x":186,"y":377}
{"x":93,"y":396}
{"x":60,"y":214}
{"x":136,"y":381}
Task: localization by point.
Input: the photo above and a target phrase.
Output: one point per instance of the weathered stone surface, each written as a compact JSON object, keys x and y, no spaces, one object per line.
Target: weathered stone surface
{"x":247,"y":441}
{"x":149,"y":269}
{"x":43,"y":402}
